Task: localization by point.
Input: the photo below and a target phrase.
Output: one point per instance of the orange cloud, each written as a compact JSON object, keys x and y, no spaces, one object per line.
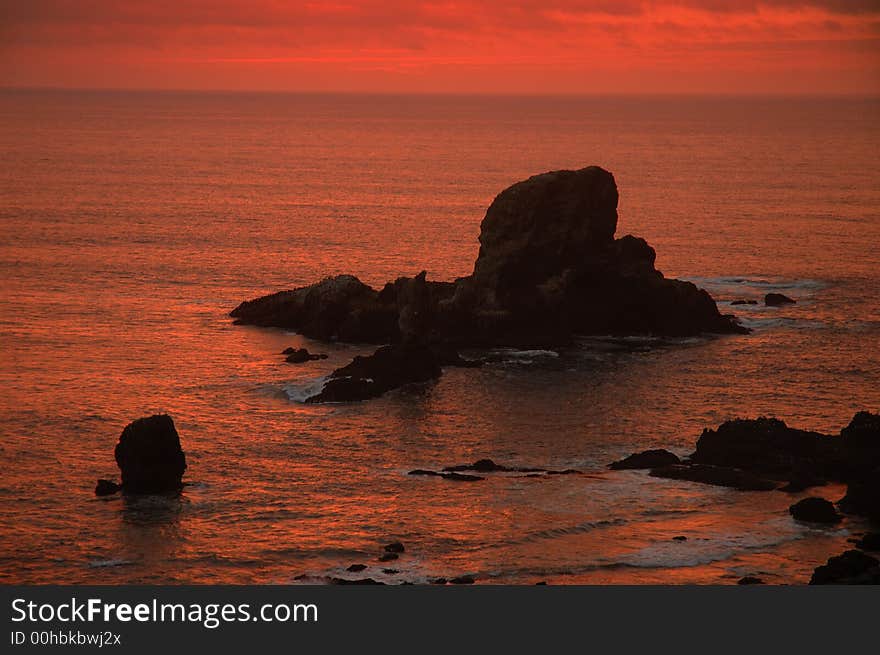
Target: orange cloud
{"x":523,"y":46}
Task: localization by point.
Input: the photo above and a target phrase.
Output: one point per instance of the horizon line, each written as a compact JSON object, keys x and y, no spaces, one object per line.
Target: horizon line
{"x":481,"y":94}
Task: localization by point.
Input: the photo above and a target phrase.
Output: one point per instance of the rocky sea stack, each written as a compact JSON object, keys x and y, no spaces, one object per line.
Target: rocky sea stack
{"x":549,"y":268}
{"x":150,"y":458}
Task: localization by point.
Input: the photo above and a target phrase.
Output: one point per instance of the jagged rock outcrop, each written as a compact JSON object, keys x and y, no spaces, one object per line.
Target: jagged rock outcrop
{"x":769,"y":447}
{"x":388,"y":368}
{"x":549,"y":268}
{"x":759,"y":454}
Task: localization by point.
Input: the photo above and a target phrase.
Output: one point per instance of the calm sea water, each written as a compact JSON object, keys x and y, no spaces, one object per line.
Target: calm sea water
{"x":131,"y":223}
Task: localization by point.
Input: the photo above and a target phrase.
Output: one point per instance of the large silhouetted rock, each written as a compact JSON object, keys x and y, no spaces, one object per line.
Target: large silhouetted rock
{"x":549,"y":268}
{"x":150,"y":457}
{"x":541,"y":227}
{"x":767,"y":446}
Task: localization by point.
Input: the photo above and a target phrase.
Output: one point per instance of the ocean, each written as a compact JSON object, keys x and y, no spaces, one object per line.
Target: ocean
{"x":131,"y":223}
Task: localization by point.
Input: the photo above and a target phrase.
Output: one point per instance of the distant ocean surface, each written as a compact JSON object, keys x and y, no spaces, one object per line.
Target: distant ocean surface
{"x":132,"y":223}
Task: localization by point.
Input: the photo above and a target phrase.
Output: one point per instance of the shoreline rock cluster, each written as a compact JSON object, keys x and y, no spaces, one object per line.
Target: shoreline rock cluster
{"x":549,"y":269}
{"x":765,"y":454}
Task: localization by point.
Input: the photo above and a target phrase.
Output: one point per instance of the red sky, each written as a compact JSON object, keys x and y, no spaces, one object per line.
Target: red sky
{"x":510,"y":46}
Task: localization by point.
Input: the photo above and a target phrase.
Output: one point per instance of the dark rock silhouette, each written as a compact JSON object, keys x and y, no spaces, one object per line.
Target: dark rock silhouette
{"x":150,"y":457}
{"x":361,"y":581}
{"x":778,"y":299}
{"x":356,"y":568}
{"x":815,"y":510}
{"x":863,"y":496}
{"x":716,"y":475}
{"x":852,"y":567}
{"x":869,"y":541}
{"x":463,"y":579}
{"x":301,"y":355}
{"x":749,"y":579}
{"x":647,"y":459}
{"x":861,"y":440}
{"x":488,"y":466}
{"x":768,"y":447}
{"x":107,"y":488}
{"x":370,"y":376}
{"x":395,"y":547}
{"x":757,"y":454}
{"x":549,"y":268}
{"x":337,"y":308}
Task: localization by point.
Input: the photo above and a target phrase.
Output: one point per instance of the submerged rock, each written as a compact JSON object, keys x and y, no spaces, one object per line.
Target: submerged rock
{"x":356,"y":568}
{"x":852,"y":567}
{"x":549,"y":267}
{"x":300,"y":355}
{"x":150,"y":457}
{"x":744,"y":302}
{"x":646,"y":459}
{"x":488,"y":466}
{"x":815,"y":510}
{"x":716,"y":475}
{"x":388,"y":368}
{"x":778,"y":299}
{"x":395,"y":547}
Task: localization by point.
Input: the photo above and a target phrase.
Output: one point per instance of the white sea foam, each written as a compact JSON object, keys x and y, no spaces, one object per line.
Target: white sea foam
{"x":105,"y":563}
{"x":299,"y":392}
{"x":515,"y":356}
